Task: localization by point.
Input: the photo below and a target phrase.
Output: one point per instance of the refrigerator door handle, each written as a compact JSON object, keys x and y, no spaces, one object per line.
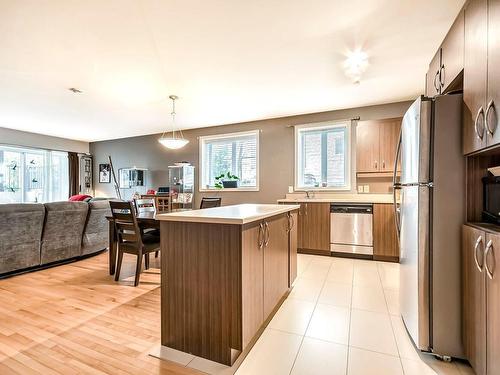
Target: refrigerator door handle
{"x":396,"y":185}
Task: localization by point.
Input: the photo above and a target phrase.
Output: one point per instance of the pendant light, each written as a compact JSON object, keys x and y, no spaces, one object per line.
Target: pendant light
{"x":176,"y":140}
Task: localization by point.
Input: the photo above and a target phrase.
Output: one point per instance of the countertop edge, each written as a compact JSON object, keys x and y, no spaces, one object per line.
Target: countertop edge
{"x":172,"y":217}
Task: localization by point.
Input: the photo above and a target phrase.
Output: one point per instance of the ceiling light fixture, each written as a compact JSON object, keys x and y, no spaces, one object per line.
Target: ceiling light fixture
{"x":355,"y":64}
{"x":175,"y":141}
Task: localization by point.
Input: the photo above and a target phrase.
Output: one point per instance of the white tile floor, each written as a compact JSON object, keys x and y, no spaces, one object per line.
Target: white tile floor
{"x":342,"y":317}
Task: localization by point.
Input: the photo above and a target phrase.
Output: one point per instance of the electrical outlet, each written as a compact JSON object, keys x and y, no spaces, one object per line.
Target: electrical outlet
{"x":366,"y":188}
{"x":360,"y":188}
{"x":290,"y":189}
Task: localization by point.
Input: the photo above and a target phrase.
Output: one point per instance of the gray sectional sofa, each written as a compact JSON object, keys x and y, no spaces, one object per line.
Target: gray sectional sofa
{"x":34,"y":235}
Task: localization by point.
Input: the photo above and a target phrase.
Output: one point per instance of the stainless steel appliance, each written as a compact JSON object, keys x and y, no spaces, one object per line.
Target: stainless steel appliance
{"x":351,"y":228}
{"x":429,"y":219}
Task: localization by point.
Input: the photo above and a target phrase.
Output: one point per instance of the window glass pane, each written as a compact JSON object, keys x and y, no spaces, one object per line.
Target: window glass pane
{"x":323,"y":157}
{"x":10,"y":176}
{"x":236,"y":154}
{"x":29,"y":175}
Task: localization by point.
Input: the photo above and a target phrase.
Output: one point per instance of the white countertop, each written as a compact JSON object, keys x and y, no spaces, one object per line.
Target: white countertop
{"x":341,"y":197}
{"x":237,"y":214}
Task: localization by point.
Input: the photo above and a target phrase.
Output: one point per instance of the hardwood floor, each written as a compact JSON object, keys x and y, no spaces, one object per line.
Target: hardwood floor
{"x":74,"y":319}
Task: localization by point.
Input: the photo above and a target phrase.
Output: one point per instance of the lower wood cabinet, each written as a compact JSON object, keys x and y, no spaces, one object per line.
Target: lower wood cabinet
{"x":314,"y":228}
{"x":481,"y":299}
{"x":265,"y":271}
{"x":292,"y":247}
{"x":385,"y":240}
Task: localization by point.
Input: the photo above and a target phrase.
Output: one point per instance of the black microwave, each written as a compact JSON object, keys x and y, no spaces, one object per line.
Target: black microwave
{"x":491,"y":199}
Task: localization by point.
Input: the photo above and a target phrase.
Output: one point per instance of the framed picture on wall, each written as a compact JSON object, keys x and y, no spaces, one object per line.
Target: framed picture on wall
{"x":104,"y":173}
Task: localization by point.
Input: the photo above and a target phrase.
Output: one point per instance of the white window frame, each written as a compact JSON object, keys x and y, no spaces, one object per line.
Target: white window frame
{"x":348,"y":154}
{"x":202,"y":143}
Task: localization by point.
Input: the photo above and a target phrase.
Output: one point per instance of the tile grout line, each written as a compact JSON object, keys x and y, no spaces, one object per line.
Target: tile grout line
{"x":390,"y":321}
{"x":350,"y":321}
{"x":315,"y":305}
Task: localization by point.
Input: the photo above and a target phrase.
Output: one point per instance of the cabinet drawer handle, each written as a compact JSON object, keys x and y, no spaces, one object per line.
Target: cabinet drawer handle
{"x":476,"y":128}
{"x":435,"y":83}
{"x":375,"y":164}
{"x":491,"y":105}
{"x":266,"y":241}
{"x":476,"y":246}
{"x":489,"y":247}
{"x":441,"y":75}
{"x":260,"y":237}
{"x":383,"y":164}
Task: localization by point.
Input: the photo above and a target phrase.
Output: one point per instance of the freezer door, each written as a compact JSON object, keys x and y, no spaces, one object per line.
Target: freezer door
{"x":414,"y":269}
{"x":416,"y":142}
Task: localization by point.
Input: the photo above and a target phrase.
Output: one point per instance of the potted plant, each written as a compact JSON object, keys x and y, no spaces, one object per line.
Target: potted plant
{"x":227,"y":181}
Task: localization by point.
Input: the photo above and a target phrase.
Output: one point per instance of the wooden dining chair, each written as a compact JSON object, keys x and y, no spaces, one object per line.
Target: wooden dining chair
{"x":144,"y":205}
{"x":130,"y":237}
{"x":209,"y":202}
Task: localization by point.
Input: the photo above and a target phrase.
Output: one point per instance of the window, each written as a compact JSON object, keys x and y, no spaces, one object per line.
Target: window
{"x":32,"y":175}
{"x":237,"y":153}
{"x":322,"y":157}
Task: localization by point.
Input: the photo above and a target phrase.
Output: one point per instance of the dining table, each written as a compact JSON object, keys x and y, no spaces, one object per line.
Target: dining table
{"x":145,"y":220}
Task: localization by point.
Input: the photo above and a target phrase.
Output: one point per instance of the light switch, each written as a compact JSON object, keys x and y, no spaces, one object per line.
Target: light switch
{"x":360,"y":188}
{"x":366,"y":188}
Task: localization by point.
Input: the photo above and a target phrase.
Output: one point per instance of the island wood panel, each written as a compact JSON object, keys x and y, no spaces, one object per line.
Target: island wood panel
{"x":293,"y":241}
{"x":474,"y":300}
{"x":252,"y":294}
{"x":385,"y":240}
{"x":276,"y":262}
{"x":201,"y":300}
{"x":492,"y":260}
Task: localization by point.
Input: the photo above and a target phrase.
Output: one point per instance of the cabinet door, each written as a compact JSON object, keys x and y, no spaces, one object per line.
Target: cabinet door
{"x":385,"y":240}
{"x":292,"y":248}
{"x":493,"y":118}
{"x":492,"y":264}
{"x":432,"y":85}
{"x":452,"y":53}
{"x":318,"y":226}
{"x":252,"y":291}
{"x":475,"y":75}
{"x":474,"y":298}
{"x":275,"y":262}
{"x":389,"y":135}
{"x":367,"y":146}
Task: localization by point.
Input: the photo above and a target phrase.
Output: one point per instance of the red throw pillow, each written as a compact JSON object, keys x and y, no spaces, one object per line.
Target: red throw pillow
{"x":79,"y":197}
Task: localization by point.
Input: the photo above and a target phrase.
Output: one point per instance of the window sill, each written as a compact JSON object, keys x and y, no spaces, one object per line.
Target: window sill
{"x":227,"y":189}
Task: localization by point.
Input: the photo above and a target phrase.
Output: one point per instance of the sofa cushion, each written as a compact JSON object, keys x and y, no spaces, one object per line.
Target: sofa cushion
{"x":95,"y":236}
{"x":62,"y":234}
{"x":20,"y":233}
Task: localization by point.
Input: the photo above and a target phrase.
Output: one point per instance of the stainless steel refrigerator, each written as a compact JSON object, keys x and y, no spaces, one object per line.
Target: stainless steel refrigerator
{"x":429,"y":217}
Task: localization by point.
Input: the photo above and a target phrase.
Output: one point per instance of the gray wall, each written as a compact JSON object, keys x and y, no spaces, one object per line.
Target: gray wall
{"x":20,"y":138}
{"x":276,"y":152}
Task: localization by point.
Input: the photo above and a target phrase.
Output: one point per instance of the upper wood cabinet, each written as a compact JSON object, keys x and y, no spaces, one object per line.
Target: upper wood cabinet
{"x":385,"y":241}
{"x":448,"y":61}
{"x":492,"y":117}
{"x":475,"y":74}
{"x":314,"y":227}
{"x":452,"y":54}
{"x":376,"y":142}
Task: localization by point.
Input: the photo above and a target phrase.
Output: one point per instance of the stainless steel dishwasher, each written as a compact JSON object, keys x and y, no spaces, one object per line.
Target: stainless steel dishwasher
{"x":351,"y":227}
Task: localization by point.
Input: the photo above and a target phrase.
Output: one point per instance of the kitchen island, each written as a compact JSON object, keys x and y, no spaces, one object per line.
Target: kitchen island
{"x":224,"y":273}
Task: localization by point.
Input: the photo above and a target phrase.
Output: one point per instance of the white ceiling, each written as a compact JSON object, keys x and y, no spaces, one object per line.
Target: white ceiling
{"x":228,"y":60}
